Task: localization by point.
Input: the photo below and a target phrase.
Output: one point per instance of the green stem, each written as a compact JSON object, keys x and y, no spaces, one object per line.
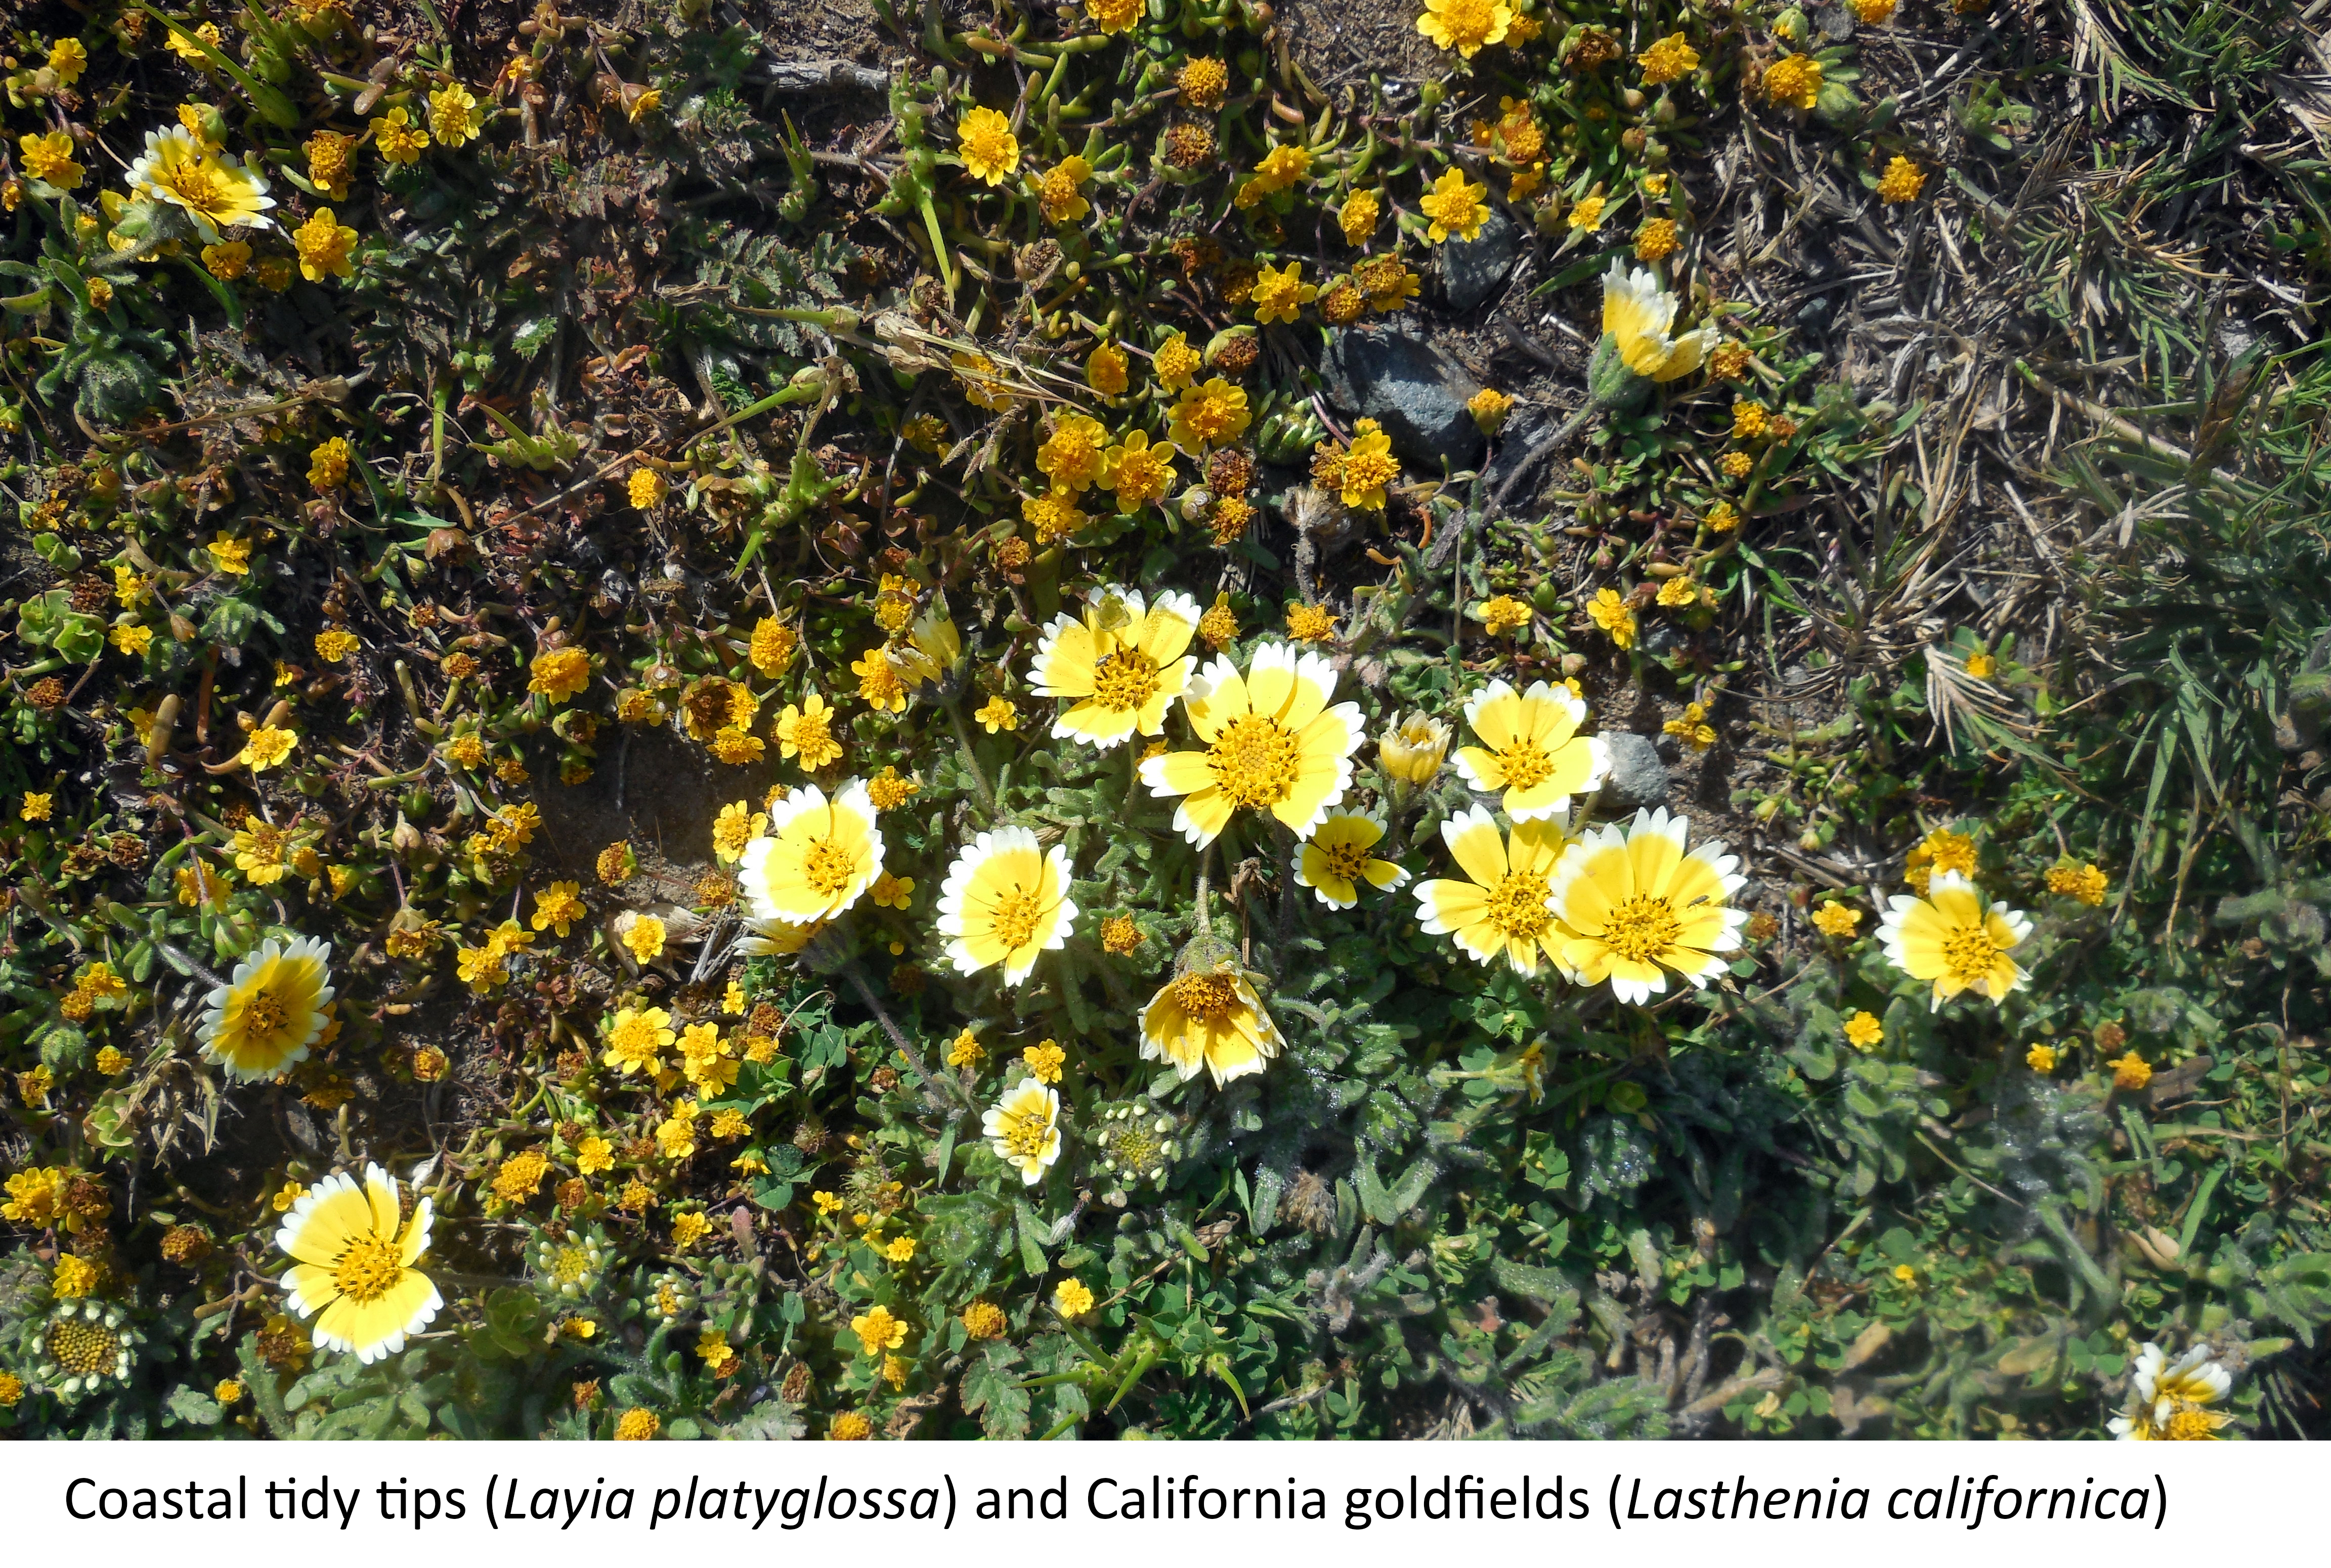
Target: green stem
{"x":970,"y":762}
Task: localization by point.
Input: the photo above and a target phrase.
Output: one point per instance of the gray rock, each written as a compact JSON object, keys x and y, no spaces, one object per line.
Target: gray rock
{"x":1638,"y":778}
{"x":1471,"y":269}
{"x":1417,"y":392}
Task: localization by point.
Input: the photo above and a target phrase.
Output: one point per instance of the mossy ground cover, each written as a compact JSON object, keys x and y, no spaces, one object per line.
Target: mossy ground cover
{"x":727,"y":719}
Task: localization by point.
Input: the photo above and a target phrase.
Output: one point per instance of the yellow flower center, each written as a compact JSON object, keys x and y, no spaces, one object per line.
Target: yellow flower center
{"x":195,"y":184}
{"x":810,"y":732}
{"x":1015,"y":919}
{"x":264,"y":1015}
{"x":1124,"y":680}
{"x":1023,"y":1132}
{"x":83,"y":1349}
{"x":1255,"y":760}
{"x":829,"y":866}
{"x":1526,"y":764}
{"x":1970,"y":954}
{"x":1207,"y":996}
{"x":1642,"y":928}
{"x":2190,"y":1426}
{"x":1348,"y":862}
{"x":1518,"y":906}
{"x":368,"y":1270}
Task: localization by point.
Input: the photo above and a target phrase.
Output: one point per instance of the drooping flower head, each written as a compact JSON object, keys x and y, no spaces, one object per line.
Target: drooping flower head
{"x":1502,"y":906}
{"x":1005,"y":900}
{"x":264,"y":1019}
{"x":1638,"y":316}
{"x":1272,"y":743}
{"x":354,"y":1265}
{"x":212,"y":187}
{"x":1631,"y":907}
{"x":1954,"y":938}
{"x":818,"y":857}
{"x":1339,"y":857}
{"x":1024,"y":1129}
{"x":1120,"y":665}
{"x":1531,"y":749}
{"x":1209,"y":1017}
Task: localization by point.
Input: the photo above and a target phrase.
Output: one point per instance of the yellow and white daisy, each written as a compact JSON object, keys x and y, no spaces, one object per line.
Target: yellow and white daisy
{"x":1505,"y":905}
{"x":264,"y":1019}
{"x":1638,"y":316}
{"x":1120,"y":665}
{"x":2168,"y":1401}
{"x":1954,"y":938}
{"x":1025,"y":1127}
{"x":1208,"y":1016}
{"x":1631,"y":907}
{"x":1336,"y":860}
{"x":354,"y":1265}
{"x":817,"y":859}
{"x":1272,"y":741}
{"x":212,"y":187}
{"x":1004,"y":901}
{"x":1531,"y":749}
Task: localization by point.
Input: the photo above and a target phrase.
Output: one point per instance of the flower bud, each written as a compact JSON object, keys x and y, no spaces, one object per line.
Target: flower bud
{"x":1412,"y":749}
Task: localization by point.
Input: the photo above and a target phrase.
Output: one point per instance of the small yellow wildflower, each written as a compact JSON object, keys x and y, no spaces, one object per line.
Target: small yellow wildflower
{"x":1455,"y":206}
{"x":997,"y":713}
{"x":2130,"y":1072}
{"x":1466,"y":26}
{"x":2040,"y":1057}
{"x":50,"y":159}
{"x":1281,"y":293}
{"x":1610,"y":612}
{"x":453,"y":117}
{"x":1836,"y":920}
{"x":1489,"y":408}
{"x":1072,"y":1297}
{"x":1106,"y":370}
{"x":1503,"y":614}
{"x":1310,"y":624}
{"x":2074,"y":879}
{"x":327,"y":246}
{"x":231,"y":556}
{"x":1863,"y":1032}
{"x":1043,"y":1061}
{"x":1794,"y":81}
{"x":1670,"y":58}
{"x":398,"y":138}
{"x":1902,"y":181}
{"x":266,"y":747}
{"x":327,"y":465}
{"x":879,"y":1332}
{"x":990,"y":151}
